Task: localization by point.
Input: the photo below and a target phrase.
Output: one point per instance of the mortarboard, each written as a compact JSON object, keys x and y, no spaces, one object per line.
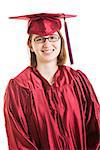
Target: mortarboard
{"x":47,"y":23}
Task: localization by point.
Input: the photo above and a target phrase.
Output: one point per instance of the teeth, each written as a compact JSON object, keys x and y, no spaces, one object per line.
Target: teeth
{"x":47,"y":52}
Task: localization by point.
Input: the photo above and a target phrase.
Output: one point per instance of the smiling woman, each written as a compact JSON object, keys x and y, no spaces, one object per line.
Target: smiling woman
{"x":50,"y":106}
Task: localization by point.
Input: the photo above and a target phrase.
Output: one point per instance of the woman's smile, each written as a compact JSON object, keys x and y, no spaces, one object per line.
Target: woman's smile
{"x":48,"y":51}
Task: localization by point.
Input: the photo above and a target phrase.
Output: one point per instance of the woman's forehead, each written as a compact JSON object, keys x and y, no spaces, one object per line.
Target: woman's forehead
{"x":37,"y":35}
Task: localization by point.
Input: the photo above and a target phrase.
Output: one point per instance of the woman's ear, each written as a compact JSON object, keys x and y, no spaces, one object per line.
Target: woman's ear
{"x":29,"y":43}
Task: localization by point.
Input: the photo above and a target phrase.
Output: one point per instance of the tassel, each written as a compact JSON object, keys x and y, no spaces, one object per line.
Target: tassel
{"x":68,"y":43}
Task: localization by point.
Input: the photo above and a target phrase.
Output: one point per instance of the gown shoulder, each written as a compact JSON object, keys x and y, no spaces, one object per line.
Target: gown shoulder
{"x":23,"y":78}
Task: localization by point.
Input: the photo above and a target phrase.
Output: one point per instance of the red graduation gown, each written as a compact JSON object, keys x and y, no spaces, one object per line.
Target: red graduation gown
{"x":62,"y":116}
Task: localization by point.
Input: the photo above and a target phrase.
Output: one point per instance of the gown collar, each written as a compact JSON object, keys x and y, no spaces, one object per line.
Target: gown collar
{"x":45,"y":83}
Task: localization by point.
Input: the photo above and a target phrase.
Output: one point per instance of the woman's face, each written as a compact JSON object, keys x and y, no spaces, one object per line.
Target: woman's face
{"x":46,"y":48}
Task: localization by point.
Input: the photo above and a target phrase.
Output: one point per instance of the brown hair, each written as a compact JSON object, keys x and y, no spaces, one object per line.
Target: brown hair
{"x":61,"y":59}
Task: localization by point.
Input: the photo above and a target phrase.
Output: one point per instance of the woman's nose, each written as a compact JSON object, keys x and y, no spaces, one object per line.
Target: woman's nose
{"x":47,"y":43}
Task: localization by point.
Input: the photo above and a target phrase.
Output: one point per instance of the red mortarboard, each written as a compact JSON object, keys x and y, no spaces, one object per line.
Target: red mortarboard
{"x":45,"y":24}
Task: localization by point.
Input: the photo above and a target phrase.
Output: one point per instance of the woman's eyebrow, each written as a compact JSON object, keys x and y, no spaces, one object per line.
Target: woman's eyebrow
{"x":45,"y":36}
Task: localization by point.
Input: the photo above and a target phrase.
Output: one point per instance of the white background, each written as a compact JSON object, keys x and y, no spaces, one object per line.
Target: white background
{"x":84,"y":31}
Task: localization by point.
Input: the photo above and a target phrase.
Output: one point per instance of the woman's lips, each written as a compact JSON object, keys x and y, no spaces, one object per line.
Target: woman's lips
{"x":47,"y":51}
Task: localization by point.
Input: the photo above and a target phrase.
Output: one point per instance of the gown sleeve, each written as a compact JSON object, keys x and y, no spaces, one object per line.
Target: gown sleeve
{"x":92,"y":113}
{"x":15,"y":118}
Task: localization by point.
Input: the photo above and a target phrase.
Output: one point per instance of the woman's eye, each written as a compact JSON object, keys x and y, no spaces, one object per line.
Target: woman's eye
{"x":39,"y":39}
{"x":52,"y":37}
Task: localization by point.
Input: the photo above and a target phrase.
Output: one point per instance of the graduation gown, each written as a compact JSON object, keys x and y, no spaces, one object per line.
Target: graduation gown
{"x":61,"y":116}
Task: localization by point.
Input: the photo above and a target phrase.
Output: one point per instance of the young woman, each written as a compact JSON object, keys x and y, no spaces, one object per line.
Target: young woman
{"x":50,"y":106}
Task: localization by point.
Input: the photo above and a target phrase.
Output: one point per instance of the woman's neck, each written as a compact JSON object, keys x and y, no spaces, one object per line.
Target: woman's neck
{"x":48,"y":70}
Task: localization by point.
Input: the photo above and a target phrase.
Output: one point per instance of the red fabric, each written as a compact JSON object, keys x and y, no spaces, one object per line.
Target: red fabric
{"x":62,"y":116}
{"x":43,"y":23}
{"x":43,"y":26}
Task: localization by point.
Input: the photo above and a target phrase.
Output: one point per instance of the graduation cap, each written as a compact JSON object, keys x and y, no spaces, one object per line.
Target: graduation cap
{"x":47,"y":23}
